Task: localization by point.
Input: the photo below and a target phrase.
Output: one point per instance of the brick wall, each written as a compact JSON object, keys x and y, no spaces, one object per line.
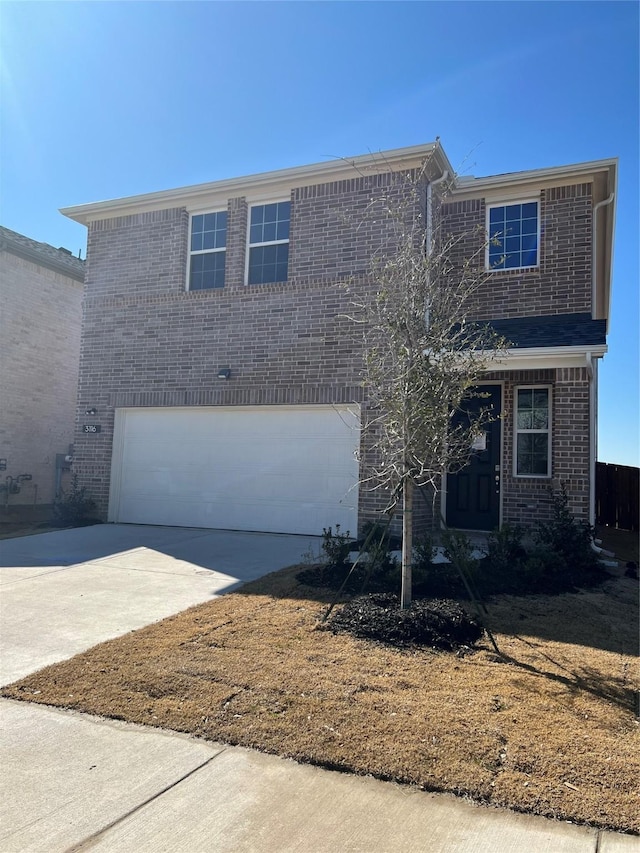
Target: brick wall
{"x":561,"y":284}
{"x":39,"y":350}
{"x":527,"y":499}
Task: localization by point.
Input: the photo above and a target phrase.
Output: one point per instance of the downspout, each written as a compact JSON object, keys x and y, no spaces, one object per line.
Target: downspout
{"x":600,"y":204}
{"x":429,"y":238}
{"x":430,"y":185}
{"x":593,"y":445}
{"x":592,"y":371}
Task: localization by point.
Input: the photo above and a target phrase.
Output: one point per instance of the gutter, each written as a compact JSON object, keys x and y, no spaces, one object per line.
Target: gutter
{"x":464,"y":184}
{"x":298,"y":176}
{"x":594,"y":243}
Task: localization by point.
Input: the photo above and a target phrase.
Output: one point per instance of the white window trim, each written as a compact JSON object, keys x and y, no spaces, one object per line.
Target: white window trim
{"x":249,"y":245}
{"x":505,"y":203}
{"x":203,"y":251}
{"x":547,"y":432}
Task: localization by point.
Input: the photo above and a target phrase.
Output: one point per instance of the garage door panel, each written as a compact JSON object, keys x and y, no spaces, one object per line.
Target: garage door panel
{"x":280,"y":469}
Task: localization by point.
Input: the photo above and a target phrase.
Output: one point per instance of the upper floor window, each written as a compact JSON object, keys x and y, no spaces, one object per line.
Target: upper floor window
{"x":533,"y":432}
{"x":208,"y":250}
{"x":514,"y":236}
{"x":269,"y":243}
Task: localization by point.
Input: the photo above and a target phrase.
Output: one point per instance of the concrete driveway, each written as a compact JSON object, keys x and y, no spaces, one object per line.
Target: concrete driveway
{"x":63,"y":592}
{"x":71,"y":782}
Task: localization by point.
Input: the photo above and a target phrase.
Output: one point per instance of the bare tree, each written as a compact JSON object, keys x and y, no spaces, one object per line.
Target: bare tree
{"x":423,"y":356}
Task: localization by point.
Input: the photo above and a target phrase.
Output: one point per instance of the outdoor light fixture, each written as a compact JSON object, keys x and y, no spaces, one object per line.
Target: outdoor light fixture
{"x":224,"y":373}
{"x":91,"y":411}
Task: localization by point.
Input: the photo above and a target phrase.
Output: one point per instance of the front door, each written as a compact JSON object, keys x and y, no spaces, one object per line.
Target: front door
{"x":473,"y":494}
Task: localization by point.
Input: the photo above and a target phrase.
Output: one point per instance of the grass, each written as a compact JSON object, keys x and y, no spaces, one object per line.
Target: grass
{"x":549,"y":729}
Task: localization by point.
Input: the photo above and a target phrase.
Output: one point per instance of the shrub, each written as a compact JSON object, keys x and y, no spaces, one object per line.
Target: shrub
{"x":375,"y":533}
{"x":459,"y":550}
{"x":564,"y":546}
{"x":73,"y":508}
{"x":505,"y":550}
{"x":336,"y":546}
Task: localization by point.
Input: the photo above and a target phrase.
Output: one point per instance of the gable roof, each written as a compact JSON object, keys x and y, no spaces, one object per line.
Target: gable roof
{"x":58,"y":260}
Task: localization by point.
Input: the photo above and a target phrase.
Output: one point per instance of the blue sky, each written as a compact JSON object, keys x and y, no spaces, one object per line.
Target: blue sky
{"x":102,"y":100}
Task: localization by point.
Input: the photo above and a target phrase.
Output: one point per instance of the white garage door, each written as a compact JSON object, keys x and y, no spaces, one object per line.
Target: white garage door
{"x":283,"y":469}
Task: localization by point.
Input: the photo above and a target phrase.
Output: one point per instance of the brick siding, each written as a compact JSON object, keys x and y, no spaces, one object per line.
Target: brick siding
{"x":561,"y":283}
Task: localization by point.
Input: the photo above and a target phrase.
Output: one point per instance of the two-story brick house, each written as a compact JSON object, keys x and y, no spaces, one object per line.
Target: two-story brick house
{"x":40,"y":321}
{"x":225,"y":376}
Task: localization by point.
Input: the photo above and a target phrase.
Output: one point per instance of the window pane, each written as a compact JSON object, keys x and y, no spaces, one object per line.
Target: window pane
{"x":208,"y":240}
{"x":268,"y":264}
{"x":533,"y":454}
{"x":269,"y":254}
{"x":496,"y":254}
{"x":207,"y":271}
{"x":269,"y":231}
{"x":282,"y":231}
{"x":196,"y":242}
{"x":284,"y":217}
{"x":509,"y":223}
{"x":271,"y":223}
{"x":540,"y":398}
{"x":220,"y":238}
{"x":270,"y":212}
{"x":196,"y":223}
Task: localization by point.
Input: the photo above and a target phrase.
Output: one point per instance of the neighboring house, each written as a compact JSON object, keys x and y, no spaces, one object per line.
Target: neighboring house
{"x":226,"y":375}
{"x":40,"y":319}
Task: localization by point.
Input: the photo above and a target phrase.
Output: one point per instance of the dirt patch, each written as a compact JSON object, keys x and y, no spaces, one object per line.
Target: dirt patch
{"x":625,"y":544}
{"x":431,"y":623}
{"x":25,"y":520}
{"x":549,"y":729}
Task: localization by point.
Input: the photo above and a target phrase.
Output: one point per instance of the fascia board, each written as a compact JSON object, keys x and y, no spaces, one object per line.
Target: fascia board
{"x":470,"y":187}
{"x":609,"y":243}
{"x":255,"y":187}
{"x":546,"y":357}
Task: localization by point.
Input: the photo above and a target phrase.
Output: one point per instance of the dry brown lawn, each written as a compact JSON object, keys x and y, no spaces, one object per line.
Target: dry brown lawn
{"x":549,"y":729}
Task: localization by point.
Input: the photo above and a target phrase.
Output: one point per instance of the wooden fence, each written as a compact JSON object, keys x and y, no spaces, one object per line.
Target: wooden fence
{"x":617,"y":496}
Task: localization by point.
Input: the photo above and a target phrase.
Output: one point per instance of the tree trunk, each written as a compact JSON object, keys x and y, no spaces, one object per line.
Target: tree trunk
{"x":407,"y":543}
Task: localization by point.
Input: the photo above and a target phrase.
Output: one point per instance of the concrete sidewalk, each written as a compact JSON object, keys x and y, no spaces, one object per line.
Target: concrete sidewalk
{"x":74,"y":782}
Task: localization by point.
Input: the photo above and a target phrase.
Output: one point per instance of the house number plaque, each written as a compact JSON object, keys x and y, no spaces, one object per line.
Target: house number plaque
{"x":91,"y":428}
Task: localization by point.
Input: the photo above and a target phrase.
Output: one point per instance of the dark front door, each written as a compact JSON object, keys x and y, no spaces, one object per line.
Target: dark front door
{"x":473,"y":494}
